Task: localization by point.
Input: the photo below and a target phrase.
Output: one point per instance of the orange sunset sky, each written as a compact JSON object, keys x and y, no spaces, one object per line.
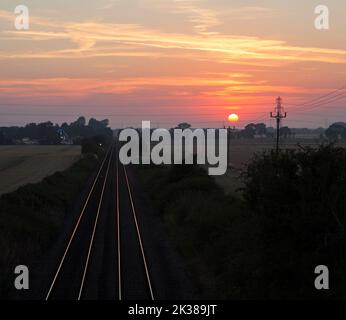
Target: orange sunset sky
{"x":170,"y":61}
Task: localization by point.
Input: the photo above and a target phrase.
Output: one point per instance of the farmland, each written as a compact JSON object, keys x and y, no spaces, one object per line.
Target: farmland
{"x":20,"y":165}
{"x":241,"y":152}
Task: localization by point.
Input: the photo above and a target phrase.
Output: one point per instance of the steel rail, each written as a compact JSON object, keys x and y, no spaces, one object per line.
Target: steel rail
{"x":76,"y":227}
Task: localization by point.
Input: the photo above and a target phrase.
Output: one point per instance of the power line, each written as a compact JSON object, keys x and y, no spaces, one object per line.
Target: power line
{"x":323,"y":97}
{"x":323,"y":103}
{"x":317,"y":98}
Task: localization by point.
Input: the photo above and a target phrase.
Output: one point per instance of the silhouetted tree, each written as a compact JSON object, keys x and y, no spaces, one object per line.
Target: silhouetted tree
{"x":184,"y":126}
{"x":95,"y":124}
{"x":47,"y":133}
{"x":81,"y":122}
{"x":249,"y":131}
{"x":261,"y":129}
{"x":2,"y":138}
{"x":285,"y":132}
{"x":336,"y":131}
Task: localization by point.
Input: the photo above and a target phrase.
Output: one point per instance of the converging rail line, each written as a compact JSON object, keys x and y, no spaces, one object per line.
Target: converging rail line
{"x":108,"y":203}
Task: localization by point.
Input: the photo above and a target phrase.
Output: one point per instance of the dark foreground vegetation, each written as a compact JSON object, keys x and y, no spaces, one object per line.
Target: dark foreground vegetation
{"x":32,"y":217}
{"x":267,"y":244}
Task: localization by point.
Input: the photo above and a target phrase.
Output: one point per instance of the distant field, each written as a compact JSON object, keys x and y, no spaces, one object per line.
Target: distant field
{"x":241,"y":153}
{"x":20,"y":165}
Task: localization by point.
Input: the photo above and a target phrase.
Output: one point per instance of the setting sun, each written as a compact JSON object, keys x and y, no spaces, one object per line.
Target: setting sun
{"x":233,"y":117}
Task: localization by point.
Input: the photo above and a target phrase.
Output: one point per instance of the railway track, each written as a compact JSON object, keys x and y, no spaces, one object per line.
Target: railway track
{"x":104,"y":256}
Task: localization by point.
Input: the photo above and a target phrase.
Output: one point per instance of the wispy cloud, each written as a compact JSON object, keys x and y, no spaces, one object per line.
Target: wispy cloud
{"x":109,"y":5}
{"x":97,"y":39}
{"x":202,"y":18}
{"x":205,"y":19}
